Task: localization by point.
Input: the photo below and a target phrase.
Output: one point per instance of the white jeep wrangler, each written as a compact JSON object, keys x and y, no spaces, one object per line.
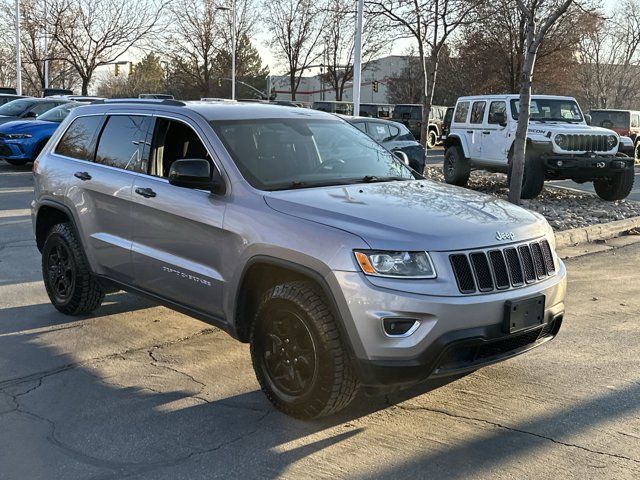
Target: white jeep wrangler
{"x":560,"y":145}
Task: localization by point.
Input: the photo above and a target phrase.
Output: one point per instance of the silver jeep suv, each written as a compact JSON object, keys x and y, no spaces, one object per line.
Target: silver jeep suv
{"x":294,"y":231}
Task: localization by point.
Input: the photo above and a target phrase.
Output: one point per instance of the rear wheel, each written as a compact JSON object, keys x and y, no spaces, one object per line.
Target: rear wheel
{"x":615,"y":188}
{"x":298,"y":355}
{"x":71,"y":286}
{"x":456,"y":167}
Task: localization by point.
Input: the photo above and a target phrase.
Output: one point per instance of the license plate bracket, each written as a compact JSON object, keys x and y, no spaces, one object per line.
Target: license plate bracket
{"x":523,"y":314}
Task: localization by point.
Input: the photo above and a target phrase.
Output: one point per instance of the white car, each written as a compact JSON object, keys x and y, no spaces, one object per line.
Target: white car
{"x":560,"y":145}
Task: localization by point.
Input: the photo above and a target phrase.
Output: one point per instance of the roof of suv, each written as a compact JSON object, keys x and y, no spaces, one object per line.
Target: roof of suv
{"x":512,"y":96}
{"x":213,"y":110}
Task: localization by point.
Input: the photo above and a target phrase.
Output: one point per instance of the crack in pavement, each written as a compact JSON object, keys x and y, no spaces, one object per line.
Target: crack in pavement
{"x":69,"y":366}
{"x":517,"y":430}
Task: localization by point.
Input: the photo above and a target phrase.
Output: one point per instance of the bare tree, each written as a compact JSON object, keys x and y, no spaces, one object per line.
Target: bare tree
{"x":339,"y":40}
{"x":93,"y":33}
{"x":539,"y":17}
{"x":609,"y":56}
{"x":295,"y":27}
{"x":431,"y":23}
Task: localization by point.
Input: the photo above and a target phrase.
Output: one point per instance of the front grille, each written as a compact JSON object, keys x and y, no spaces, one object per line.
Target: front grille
{"x":586,"y":143}
{"x":500,"y":269}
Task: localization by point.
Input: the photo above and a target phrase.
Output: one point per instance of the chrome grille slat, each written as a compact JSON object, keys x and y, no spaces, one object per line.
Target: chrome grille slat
{"x":504,"y":268}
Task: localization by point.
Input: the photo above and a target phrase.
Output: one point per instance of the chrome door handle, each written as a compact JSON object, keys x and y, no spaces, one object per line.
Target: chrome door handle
{"x":82,"y":176}
{"x":145,"y":192}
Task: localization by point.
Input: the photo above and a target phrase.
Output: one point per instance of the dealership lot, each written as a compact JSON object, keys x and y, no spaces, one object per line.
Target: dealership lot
{"x":139,"y":391}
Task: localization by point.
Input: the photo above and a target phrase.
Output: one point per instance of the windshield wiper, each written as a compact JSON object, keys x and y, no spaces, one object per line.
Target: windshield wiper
{"x":375,"y":179}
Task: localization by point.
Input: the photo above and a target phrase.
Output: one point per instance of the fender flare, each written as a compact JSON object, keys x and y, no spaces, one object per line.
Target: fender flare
{"x":453,"y":139}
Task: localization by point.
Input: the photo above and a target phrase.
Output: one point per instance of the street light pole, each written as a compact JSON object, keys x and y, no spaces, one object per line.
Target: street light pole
{"x":18,"y":60}
{"x":357,"y":60}
{"x":233,"y":50}
{"x":46,"y":50}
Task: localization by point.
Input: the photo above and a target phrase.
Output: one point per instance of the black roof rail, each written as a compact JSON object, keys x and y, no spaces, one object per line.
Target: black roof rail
{"x":143,"y":101}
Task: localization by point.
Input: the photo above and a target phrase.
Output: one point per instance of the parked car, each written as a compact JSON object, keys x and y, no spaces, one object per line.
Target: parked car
{"x":446,"y":123}
{"x":331,"y":106}
{"x":157,"y":96}
{"x":623,"y":122}
{"x":22,"y":140}
{"x":394,"y":137}
{"x":9,"y":90}
{"x":27,"y":108}
{"x":560,"y":145}
{"x":298,"y":234}
{"x":8,"y":97}
{"x":376,"y":110}
{"x":50,"y":92}
{"x":410,"y":115}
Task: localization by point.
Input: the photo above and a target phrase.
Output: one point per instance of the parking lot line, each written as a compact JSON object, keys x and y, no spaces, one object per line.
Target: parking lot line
{"x":18,"y":212}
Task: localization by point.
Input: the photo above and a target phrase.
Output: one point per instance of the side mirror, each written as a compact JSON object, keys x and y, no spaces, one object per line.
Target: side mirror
{"x":30,"y":115}
{"x":195,"y":173}
{"x":402,"y":156}
{"x":587,"y":118}
{"x":500,"y":118}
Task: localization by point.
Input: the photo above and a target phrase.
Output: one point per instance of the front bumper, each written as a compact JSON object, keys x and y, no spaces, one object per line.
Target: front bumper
{"x":456,"y":334}
{"x":588,"y":166}
{"x":13,"y":151}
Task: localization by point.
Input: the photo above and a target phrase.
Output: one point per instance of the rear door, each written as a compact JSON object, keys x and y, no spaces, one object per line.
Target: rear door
{"x":495,"y":137}
{"x":104,"y":156}
{"x":178,"y":231}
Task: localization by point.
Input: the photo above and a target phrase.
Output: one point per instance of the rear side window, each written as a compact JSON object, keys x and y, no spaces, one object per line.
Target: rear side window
{"x":461,"y":112}
{"x":122,"y":142}
{"x":378,"y":131}
{"x":635,"y":120}
{"x":79,"y":139}
{"x":360,"y":126}
{"x":477,"y":112}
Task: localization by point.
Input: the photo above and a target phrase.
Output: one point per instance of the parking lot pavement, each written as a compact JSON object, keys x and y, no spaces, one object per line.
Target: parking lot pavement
{"x":435,"y":156}
{"x":588,"y":187}
{"x":138,"y":391}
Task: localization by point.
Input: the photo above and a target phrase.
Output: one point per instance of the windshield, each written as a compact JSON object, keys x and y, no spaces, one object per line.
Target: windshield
{"x":550,"y":110}
{"x":610,"y":119}
{"x":16,"y":107}
{"x":59,"y":113}
{"x":280,"y":154}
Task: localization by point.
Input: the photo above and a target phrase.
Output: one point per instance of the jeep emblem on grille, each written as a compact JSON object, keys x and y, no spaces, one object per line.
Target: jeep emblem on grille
{"x":600,"y":164}
{"x":505,"y":236}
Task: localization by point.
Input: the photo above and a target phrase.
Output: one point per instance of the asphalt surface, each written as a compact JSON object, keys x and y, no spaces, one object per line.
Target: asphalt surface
{"x":435,"y":156}
{"x":588,"y":187}
{"x":138,"y":391}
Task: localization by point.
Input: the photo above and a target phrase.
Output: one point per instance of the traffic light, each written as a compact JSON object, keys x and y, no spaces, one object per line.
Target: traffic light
{"x":376,"y":86}
{"x":117,"y":69}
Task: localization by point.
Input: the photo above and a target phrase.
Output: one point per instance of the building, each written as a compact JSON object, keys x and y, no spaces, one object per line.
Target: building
{"x":313,"y":88}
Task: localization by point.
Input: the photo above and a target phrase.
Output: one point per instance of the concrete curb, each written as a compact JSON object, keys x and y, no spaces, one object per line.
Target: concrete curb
{"x":592,"y":233}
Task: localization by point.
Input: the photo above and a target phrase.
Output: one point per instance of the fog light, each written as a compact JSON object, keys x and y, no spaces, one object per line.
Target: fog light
{"x":400,"y":327}
{"x":559,"y":163}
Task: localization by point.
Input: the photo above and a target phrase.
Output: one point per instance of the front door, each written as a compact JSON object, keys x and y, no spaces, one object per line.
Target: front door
{"x":177,"y":231}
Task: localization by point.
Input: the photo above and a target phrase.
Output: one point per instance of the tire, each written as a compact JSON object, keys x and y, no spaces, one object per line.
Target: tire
{"x":615,"y":188}
{"x":636,"y":153}
{"x":532,"y":177}
{"x":298,"y":356}
{"x":72,"y":288}
{"x":456,"y":167}
{"x":432,"y":139}
{"x":15,"y":162}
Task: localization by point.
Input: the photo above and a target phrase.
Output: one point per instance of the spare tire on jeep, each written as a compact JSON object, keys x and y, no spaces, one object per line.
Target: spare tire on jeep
{"x":616,"y":187}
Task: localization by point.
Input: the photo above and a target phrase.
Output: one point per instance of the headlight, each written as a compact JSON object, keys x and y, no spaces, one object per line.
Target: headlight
{"x":17,"y":136}
{"x":612,"y":141}
{"x":396,"y":264}
{"x":561,"y":140}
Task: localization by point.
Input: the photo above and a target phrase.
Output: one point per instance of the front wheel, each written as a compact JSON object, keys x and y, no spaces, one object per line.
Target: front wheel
{"x":532,"y":177}
{"x":16,"y":162}
{"x":617,"y":187}
{"x":456,"y":167}
{"x":432,"y":139}
{"x":298,"y":355}
{"x":71,"y":286}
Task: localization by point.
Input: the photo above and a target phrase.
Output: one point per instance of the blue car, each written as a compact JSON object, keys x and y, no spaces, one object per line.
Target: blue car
{"x":22,"y":140}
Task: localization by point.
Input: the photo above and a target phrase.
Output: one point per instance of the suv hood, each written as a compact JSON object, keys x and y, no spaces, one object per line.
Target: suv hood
{"x":20,"y":126}
{"x":564,"y":127}
{"x":412,"y":215}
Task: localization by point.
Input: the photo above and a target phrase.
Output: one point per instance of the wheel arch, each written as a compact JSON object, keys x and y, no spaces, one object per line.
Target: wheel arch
{"x":51,"y":213}
{"x":453,"y":140}
{"x":262,"y":272}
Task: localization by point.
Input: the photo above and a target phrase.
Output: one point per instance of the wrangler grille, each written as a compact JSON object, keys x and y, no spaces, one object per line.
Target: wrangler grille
{"x":500,"y":269}
{"x":586,"y":143}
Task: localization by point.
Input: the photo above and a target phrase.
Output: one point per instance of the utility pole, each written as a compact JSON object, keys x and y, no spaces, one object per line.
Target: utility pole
{"x":46,"y":50}
{"x":233,"y":50}
{"x":18,"y":60}
{"x":357,"y":60}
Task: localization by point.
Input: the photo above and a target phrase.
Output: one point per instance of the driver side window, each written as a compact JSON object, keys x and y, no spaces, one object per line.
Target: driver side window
{"x":497,"y":108}
{"x":174,"y":140}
